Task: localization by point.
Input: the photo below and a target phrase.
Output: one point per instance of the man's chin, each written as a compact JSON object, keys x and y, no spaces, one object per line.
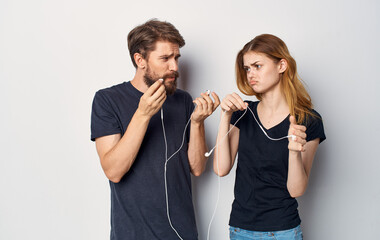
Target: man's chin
{"x":170,"y":86}
{"x":170,"y":90}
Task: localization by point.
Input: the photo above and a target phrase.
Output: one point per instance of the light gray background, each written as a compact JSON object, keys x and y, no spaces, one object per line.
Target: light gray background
{"x":54,"y":55}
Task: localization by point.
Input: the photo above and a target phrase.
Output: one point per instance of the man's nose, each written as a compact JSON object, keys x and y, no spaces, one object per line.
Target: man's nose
{"x":173,"y":66}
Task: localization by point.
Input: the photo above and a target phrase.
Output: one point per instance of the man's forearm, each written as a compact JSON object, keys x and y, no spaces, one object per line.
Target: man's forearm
{"x":197,"y":148}
{"x":117,"y":162}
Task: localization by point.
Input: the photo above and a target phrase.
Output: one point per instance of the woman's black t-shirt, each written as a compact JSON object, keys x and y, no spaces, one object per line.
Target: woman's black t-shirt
{"x":262,"y":201}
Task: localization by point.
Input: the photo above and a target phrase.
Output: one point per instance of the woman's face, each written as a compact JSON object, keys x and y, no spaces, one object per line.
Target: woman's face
{"x":263,"y":74}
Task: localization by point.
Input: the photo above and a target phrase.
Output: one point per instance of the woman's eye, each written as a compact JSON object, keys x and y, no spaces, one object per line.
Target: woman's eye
{"x":247,"y":69}
{"x":258,"y":66}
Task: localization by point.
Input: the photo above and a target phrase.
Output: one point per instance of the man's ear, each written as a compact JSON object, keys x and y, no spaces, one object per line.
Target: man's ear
{"x":283,"y":65}
{"x":139,"y":60}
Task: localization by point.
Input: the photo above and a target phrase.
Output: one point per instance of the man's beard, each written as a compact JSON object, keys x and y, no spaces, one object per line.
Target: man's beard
{"x":170,"y":86}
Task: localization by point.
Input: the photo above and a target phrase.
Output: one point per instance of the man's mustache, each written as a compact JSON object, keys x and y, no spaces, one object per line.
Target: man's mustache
{"x":174,"y":74}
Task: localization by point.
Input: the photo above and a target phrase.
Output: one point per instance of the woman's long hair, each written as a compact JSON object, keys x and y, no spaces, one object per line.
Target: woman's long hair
{"x":298,"y":99}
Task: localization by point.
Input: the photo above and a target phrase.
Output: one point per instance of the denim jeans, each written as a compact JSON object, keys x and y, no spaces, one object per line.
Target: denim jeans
{"x":290,"y":234}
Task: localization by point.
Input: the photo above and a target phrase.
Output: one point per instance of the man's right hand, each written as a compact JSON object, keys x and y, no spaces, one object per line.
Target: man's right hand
{"x":152,"y":99}
{"x":117,"y":153}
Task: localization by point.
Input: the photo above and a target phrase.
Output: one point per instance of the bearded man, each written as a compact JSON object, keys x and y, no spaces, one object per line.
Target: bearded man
{"x":138,"y":126}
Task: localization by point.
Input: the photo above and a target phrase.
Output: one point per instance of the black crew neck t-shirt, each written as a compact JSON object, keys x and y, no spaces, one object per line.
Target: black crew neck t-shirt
{"x":262,"y":201}
{"x":138,"y":203}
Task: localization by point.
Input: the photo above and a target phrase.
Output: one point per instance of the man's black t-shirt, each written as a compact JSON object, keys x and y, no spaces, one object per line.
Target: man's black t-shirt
{"x":138,"y":206}
{"x":262,"y":201}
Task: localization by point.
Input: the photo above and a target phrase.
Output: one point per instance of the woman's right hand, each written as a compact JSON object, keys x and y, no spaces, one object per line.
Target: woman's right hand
{"x":232,"y":103}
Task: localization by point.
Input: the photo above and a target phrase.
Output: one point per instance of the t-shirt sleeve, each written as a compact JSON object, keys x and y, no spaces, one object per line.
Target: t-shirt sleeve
{"x":190,"y":106}
{"x":103,"y":119}
{"x":314,"y":128}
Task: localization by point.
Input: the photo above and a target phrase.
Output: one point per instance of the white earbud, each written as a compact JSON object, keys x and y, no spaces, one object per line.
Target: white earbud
{"x":207,"y":154}
{"x":208,"y":92}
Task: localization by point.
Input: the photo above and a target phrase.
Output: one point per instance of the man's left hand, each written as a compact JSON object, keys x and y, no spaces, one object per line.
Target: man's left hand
{"x":205,"y":107}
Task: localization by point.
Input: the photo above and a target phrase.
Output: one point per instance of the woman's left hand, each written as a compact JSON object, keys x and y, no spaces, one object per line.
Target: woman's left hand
{"x":298,"y":142}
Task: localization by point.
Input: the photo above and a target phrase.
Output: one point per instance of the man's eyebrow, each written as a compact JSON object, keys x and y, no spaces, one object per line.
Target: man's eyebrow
{"x":167,"y":55}
{"x":170,"y":55}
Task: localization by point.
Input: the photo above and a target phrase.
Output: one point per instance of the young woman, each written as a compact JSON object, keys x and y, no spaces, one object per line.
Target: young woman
{"x":276,"y":138}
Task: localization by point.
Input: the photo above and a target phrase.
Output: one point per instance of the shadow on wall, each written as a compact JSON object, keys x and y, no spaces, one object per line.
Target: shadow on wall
{"x":184,"y":74}
{"x":308,"y":207}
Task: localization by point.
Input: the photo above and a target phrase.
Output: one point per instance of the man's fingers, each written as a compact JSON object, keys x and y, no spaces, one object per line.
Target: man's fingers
{"x":203,"y":102}
{"x":210,"y":103}
{"x":207,"y":98}
{"x":217,"y":101}
{"x":158,"y":93}
{"x":198,"y":103}
{"x":152,"y":89}
{"x":161,"y":100}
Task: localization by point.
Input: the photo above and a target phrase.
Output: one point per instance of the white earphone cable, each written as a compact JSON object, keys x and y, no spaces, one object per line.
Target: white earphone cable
{"x":166,"y":184}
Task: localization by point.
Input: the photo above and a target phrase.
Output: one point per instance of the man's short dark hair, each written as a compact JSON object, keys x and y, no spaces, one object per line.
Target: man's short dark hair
{"x":142,"y":39}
